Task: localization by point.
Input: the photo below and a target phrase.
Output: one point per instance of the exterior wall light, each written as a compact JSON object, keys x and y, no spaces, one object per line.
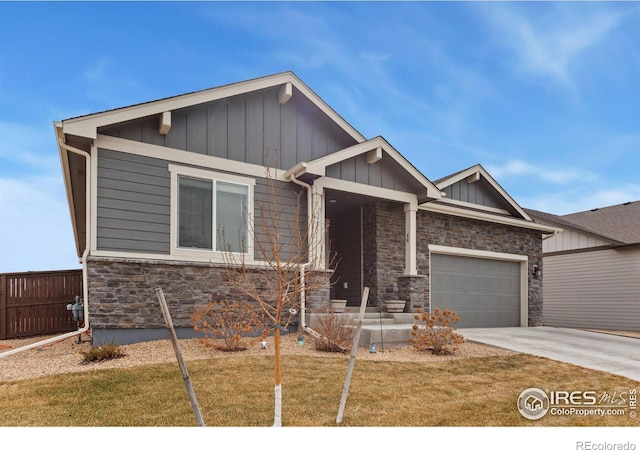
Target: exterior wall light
{"x":537,"y":271}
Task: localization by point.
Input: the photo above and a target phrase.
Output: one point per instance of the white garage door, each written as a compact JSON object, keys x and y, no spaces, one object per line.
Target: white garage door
{"x":484,"y":292}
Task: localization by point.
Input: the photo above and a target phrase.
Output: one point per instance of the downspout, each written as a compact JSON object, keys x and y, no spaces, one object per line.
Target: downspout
{"x":303,"y":297}
{"x":85,"y":284}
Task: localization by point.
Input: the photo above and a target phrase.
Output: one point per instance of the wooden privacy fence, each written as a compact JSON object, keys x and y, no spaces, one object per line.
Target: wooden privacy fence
{"x":34,"y":303}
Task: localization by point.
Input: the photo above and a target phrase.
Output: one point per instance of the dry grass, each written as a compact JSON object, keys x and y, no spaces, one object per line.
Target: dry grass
{"x":237,"y":390}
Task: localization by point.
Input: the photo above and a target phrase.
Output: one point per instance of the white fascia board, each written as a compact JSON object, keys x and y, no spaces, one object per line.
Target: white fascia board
{"x":365,"y":189}
{"x":445,"y":209}
{"x":475,"y":205}
{"x":184,"y":157}
{"x":66,"y":175}
{"x":87,"y":126}
{"x":459,"y":176}
{"x":478,"y":169}
{"x":319,"y":166}
{"x":296,"y":170}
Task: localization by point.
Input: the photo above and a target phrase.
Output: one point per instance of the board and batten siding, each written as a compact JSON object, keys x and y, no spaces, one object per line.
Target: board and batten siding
{"x":476,"y":193}
{"x":243,"y":128}
{"x":569,"y":239}
{"x":386,"y":173}
{"x":134,"y":205}
{"x":593,"y":289}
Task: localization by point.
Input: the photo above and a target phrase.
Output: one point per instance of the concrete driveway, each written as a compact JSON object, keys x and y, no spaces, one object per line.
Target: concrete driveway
{"x":618,"y":355}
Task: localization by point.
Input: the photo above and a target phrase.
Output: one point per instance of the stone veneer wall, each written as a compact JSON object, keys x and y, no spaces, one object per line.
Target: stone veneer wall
{"x":441,"y":229}
{"x":123,"y":304}
{"x":384,"y":252}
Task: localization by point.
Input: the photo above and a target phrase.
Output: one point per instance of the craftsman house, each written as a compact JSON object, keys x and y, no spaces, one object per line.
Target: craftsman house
{"x":150,"y":187}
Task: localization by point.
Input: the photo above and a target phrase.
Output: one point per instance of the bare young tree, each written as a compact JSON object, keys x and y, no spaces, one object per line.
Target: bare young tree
{"x":285,"y":246}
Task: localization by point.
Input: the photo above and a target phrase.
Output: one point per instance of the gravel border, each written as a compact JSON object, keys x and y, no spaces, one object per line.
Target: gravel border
{"x":65,"y":356}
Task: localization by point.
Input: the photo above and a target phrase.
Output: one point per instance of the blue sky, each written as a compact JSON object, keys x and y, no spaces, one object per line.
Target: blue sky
{"x":545,"y":95}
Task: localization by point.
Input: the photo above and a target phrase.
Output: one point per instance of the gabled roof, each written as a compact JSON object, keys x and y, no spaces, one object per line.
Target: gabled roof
{"x":374,"y":147}
{"x":476,"y":173}
{"x":544,"y":217}
{"x":87,"y":126}
{"x":620,"y":222}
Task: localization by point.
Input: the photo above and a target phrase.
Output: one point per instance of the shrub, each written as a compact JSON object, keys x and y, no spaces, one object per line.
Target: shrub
{"x":436,"y":333}
{"x":228,"y":325}
{"x":103,"y":352}
{"x":336,"y":332}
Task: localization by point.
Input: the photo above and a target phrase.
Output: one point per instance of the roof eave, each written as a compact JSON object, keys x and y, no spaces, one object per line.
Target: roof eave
{"x":473,"y":214}
{"x":64,"y":163}
{"x":87,"y":126}
{"x":478,"y":169}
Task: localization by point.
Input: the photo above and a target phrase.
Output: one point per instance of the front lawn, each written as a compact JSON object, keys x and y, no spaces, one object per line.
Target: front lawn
{"x":238,"y":391}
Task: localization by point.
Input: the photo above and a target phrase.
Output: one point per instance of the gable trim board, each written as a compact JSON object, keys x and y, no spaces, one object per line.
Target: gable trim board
{"x":87,"y":126}
{"x":471,"y":214}
{"x":489,"y":209}
{"x":379,"y":146}
{"x":474,"y":174}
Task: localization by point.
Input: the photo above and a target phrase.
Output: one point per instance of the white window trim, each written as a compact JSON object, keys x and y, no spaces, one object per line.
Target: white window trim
{"x":213,"y":254}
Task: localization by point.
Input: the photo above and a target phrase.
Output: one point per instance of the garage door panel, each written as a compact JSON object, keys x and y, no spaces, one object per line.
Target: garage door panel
{"x":484,"y":293}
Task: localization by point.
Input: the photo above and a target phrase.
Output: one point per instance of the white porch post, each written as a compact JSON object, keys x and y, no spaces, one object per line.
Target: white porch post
{"x":317,"y":228}
{"x":410,"y":267}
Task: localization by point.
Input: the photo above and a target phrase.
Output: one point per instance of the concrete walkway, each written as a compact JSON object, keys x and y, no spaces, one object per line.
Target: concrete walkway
{"x":618,"y":355}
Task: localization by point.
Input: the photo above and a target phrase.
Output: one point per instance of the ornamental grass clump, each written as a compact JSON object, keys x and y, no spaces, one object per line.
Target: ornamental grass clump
{"x":103,"y":352}
{"x":336,"y":332}
{"x":435,"y":332}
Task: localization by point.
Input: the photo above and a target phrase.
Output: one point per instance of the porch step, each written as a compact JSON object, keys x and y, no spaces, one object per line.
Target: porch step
{"x":392,"y":335}
{"x":382,"y":328}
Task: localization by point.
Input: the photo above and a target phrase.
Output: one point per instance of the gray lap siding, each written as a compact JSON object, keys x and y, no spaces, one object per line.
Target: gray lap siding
{"x":133,"y":208}
{"x":133,"y":204}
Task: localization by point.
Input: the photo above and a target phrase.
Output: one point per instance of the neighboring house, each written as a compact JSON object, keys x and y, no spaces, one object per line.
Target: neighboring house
{"x":592,"y":268}
{"x":126,"y":171}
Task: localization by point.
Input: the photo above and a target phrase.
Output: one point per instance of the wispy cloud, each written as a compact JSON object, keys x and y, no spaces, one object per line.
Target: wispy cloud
{"x":550,"y":46}
{"x":36,"y":234}
{"x":29,"y":145}
{"x":582,"y":199}
{"x":517,"y":168}
{"x":97,"y":71}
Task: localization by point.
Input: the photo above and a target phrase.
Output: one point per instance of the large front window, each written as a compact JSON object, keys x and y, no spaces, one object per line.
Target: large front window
{"x":211,"y":213}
